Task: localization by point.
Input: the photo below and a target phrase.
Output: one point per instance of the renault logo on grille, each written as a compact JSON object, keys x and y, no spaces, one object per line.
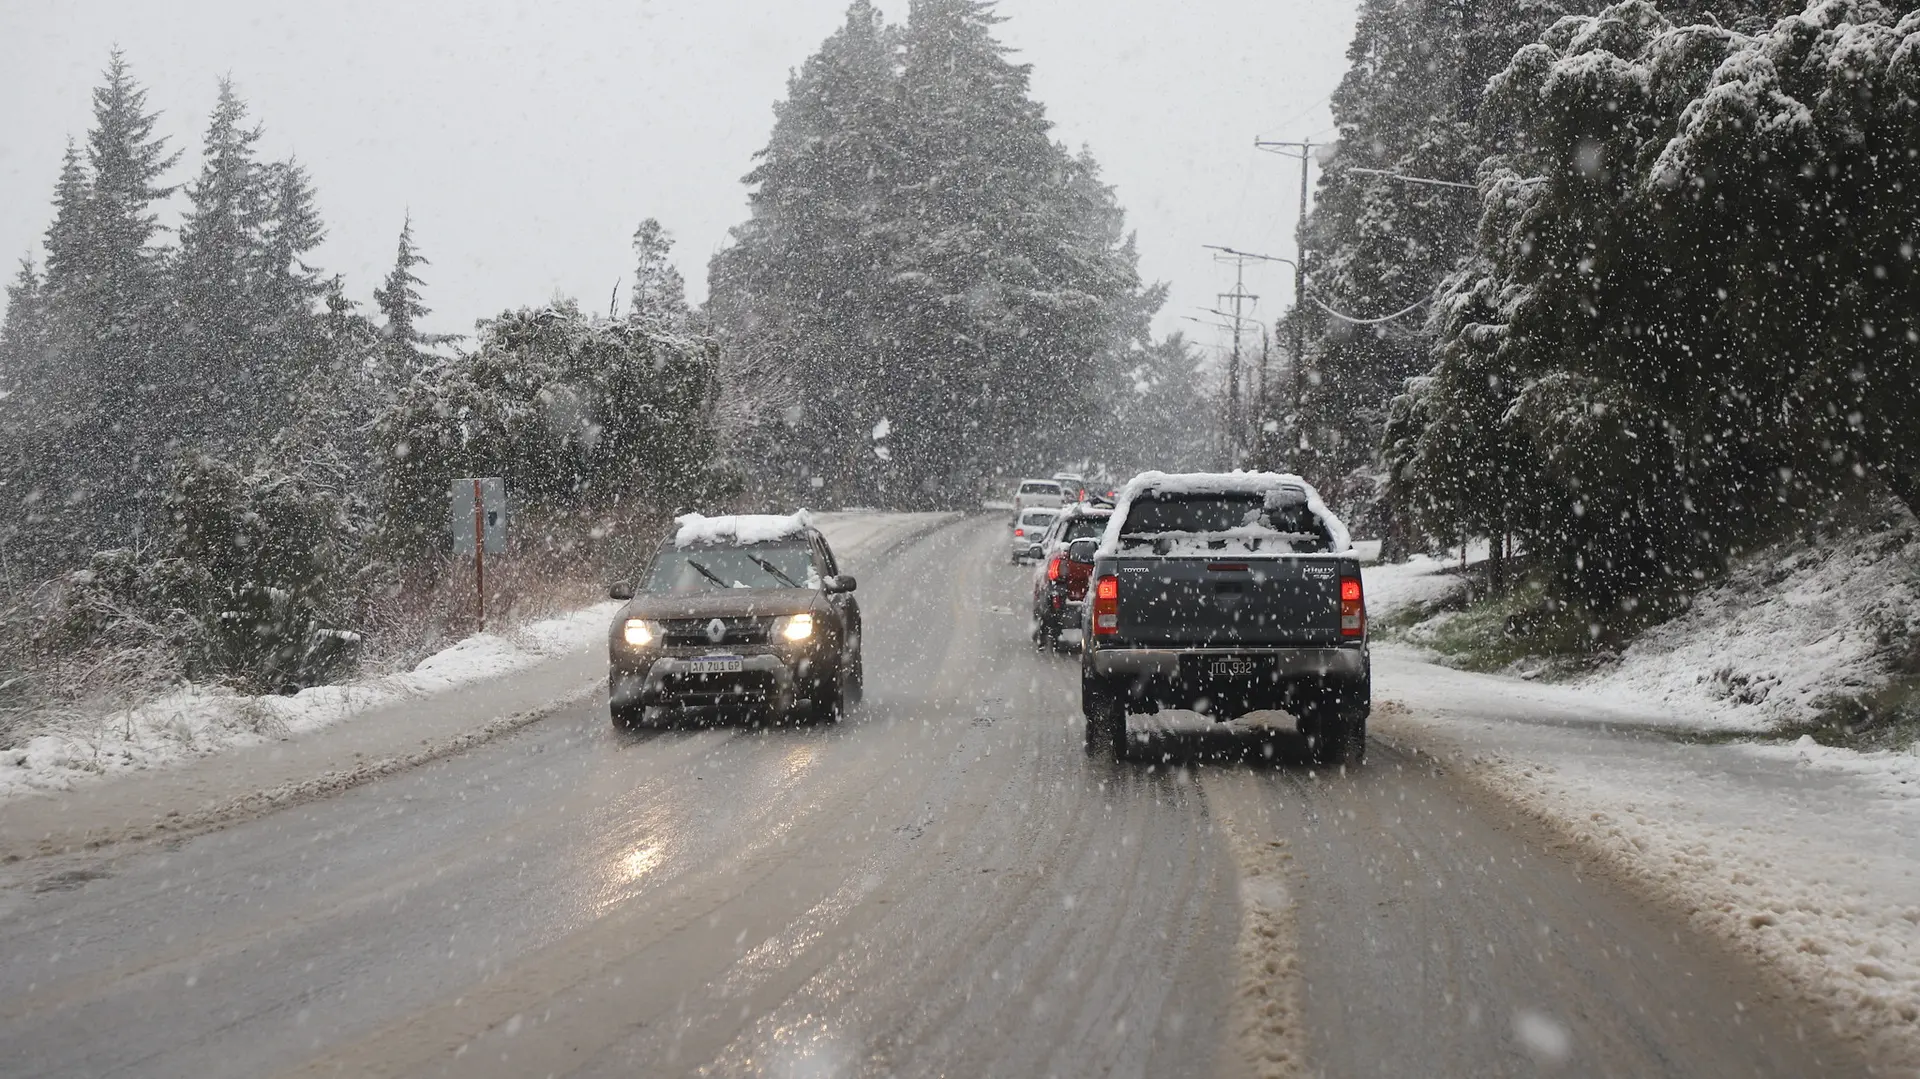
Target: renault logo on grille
{"x":716,"y":631}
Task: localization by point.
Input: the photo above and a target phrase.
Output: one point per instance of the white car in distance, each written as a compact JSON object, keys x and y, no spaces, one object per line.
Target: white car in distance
{"x":1037,"y":494}
{"x":1028,"y":530}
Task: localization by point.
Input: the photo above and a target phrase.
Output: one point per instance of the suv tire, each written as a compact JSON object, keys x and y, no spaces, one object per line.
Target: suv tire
{"x":828,"y":699}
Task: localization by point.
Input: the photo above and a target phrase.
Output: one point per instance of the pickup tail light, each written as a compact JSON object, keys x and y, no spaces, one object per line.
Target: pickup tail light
{"x":1019,"y":531}
{"x":1353,"y":608}
{"x":1053,"y":568}
{"x":1106,"y":605}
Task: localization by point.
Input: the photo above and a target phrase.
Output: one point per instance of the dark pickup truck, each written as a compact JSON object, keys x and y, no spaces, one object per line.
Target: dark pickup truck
{"x":1228,"y":594}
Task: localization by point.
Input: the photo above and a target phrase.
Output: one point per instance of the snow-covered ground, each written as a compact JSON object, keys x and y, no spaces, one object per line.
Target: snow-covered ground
{"x":195,"y":722}
{"x":1785,"y":628}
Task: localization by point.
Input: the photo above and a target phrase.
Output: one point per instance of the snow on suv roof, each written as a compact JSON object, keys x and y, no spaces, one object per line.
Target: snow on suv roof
{"x":1158,"y":484}
{"x":739,"y":529}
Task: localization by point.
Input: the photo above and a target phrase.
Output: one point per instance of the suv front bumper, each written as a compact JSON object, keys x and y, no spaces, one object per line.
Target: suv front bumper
{"x":764,"y":680}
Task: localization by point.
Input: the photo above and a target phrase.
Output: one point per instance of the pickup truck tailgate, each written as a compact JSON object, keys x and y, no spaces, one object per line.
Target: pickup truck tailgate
{"x":1222,"y":602}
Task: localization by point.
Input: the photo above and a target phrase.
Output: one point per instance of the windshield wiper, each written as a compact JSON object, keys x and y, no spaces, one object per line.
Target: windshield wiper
{"x":773,"y":569}
{"x":707,"y":573}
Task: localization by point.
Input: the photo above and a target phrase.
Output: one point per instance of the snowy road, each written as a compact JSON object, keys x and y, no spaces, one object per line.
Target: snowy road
{"x":943,"y":885}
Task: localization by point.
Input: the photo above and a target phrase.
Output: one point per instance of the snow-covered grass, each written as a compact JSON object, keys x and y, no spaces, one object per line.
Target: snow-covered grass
{"x":194,"y":721}
{"x":1791,"y":633}
{"x":1789,"y":627}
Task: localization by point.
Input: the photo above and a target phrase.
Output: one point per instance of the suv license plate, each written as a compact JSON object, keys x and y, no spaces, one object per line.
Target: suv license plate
{"x":714,"y":665}
{"x":1234,"y":668}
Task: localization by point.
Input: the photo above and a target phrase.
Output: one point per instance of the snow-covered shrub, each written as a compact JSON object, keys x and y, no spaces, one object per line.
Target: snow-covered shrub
{"x":259,"y":559}
{"x":578,"y":414}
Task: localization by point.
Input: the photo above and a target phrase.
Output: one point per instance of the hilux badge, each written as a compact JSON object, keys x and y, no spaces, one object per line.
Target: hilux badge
{"x":716,"y":631}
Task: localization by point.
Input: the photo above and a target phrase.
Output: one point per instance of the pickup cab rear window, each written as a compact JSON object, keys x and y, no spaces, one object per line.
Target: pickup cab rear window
{"x":1039,"y":488}
{"x":1199,"y":513}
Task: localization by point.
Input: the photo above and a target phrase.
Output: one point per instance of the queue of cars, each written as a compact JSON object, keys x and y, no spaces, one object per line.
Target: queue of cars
{"x":1223,"y":593}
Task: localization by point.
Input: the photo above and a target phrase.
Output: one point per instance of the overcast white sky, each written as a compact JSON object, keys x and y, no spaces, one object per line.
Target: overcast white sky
{"x":529,"y":137}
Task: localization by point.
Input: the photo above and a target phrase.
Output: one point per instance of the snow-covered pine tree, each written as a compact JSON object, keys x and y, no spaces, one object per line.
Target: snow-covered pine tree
{"x":219,"y":366}
{"x":1695,"y":314}
{"x":398,"y":297}
{"x":796,"y":296}
{"x":659,"y":292}
{"x":98,"y":471}
{"x":23,"y":333}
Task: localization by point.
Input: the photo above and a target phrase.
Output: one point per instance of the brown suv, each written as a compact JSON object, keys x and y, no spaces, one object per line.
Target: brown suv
{"x":747,"y":614}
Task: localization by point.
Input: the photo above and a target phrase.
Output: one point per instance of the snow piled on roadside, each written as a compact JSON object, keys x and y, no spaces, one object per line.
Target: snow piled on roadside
{"x":1417,"y":582}
{"x":1784,"y":629}
{"x":196,"y":721}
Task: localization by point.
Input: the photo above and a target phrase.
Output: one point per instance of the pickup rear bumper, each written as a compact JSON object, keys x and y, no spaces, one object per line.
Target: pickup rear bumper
{"x":1348,"y":664}
{"x":1208,"y":679}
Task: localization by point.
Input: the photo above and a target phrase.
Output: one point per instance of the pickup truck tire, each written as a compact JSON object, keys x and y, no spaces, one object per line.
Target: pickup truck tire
{"x":1336,"y":735}
{"x":1106,"y":714}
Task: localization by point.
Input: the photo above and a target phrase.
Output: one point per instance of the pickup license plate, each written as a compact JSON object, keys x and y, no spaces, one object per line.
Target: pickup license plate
{"x":713,"y":665}
{"x":1234,"y":668}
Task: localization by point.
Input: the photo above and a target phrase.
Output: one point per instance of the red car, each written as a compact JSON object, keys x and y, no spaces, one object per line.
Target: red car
{"x":1060,"y":583}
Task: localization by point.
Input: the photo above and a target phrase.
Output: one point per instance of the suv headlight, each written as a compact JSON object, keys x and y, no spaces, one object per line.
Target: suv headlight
{"x":796,"y":627}
{"x":639,"y":632}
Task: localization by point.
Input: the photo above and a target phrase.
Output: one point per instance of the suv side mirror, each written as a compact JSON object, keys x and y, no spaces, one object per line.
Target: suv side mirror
{"x":1081,"y":550}
{"x":620,"y":590}
{"x":845,"y":582}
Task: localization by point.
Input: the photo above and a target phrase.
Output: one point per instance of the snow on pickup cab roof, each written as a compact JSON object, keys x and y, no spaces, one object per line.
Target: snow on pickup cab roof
{"x":738,"y":529}
{"x":1249,"y":539}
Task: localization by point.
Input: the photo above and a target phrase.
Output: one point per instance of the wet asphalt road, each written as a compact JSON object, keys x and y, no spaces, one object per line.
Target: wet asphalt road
{"x":944,"y":884}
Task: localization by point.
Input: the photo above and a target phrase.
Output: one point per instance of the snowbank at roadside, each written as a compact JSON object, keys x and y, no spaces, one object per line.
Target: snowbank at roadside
{"x":1417,"y":582}
{"x":196,"y":721}
{"x":1784,"y":629}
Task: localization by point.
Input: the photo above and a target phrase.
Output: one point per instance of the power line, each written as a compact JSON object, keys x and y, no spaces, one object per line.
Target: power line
{"x":1403,"y":312}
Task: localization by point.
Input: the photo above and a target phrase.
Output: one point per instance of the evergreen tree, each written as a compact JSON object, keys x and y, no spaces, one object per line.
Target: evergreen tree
{"x":399,"y":301}
{"x":658,"y":290}
{"x":794,"y":296}
{"x":23,"y":334}
{"x":106,"y":383}
{"x":1693,"y":314}
{"x":216,"y":274}
{"x":923,"y":259}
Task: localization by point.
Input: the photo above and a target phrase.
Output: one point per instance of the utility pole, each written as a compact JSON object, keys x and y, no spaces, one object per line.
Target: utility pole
{"x":1240,"y":297}
{"x":1304,"y":151}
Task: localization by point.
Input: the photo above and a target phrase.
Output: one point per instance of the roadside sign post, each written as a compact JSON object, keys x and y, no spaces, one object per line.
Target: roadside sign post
{"x":479,"y":527}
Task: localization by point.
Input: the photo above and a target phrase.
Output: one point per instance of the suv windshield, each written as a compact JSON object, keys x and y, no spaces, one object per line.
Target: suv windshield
{"x":760,"y":565}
